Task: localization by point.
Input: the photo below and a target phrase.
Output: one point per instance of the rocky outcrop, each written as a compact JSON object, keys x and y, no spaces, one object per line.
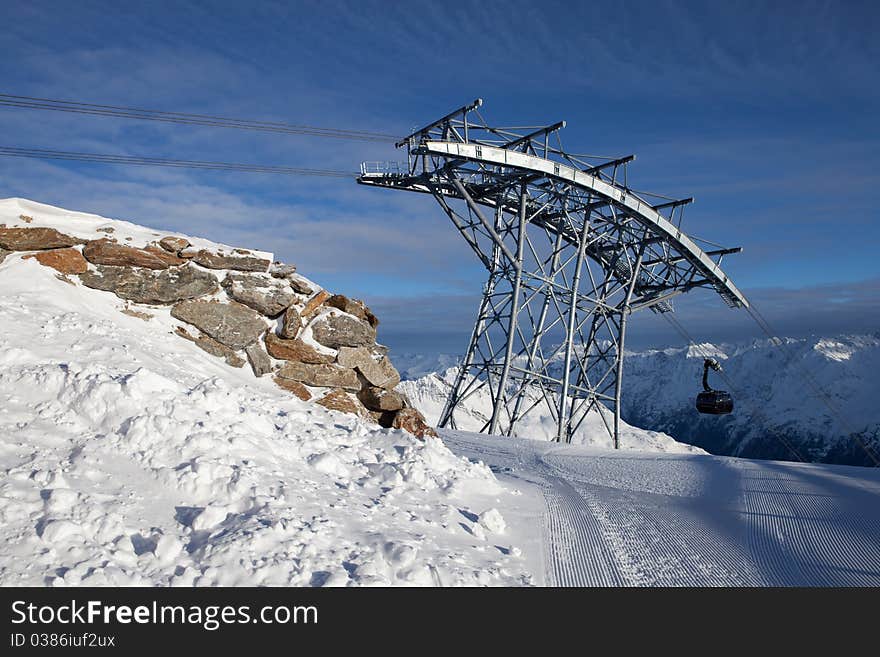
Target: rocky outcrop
{"x":337,"y":330}
{"x":151,"y":286}
{"x":268,"y":296}
{"x":35,"y":239}
{"x":232,"y":324}
{"x":66,"y":261}
{"x":234,"y":261}
{"x":296,"y":350}
{"x":107,"y":252}
{"x":322,"y":376}
{"x":316,"y":345}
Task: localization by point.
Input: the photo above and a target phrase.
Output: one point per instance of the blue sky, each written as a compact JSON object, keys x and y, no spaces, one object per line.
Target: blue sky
{"x":765,"y":112}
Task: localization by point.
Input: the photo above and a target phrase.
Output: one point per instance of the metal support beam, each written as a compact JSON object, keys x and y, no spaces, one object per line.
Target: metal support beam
{"x":570,"y":255}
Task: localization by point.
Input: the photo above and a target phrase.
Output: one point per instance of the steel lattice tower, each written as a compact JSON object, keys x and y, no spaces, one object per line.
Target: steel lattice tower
{"x":571,"y":252}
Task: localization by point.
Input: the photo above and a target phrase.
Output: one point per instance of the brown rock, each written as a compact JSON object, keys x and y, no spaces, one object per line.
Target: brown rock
{"x":295,"y":387}
{"x":353,"y":307}
{"x":3,"y":254}
{"x":173,"y":244}
{"x":268,"y":296}
{"x":409,"y":419}
{"x":106,"y":229}
{"x":295,"y":350}
{"x":211,"y":346}
{"x":291,"y":323}
{"x":339,"y":400}
{"x":258,"y":358}
{"x":152,"y":286}
{"x":323,"y":376}
{"x":67,"y":261}
{"x":35,"y":239}
{"x":105,"y":252}
{"x":169,"y":258}
{"x":379,"y":399}
{"x":232,"y":324}
{"x":238,"y":262}
{"x":25,"y":218}
{"x":342,"y":330}
{"x":314,"y":303}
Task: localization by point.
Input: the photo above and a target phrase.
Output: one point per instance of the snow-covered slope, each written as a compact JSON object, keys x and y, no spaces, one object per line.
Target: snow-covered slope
{"x":428,"y":394}
{"x":130,"y":456}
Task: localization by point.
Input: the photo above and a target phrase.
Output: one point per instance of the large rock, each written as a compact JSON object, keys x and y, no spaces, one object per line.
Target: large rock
{"x":211,"y":346}
{"x":409,"y":419}
{"x":152,"y":286}
{"x":380,"y":399}
{"x":314,"y":303}
{"x":298,"y":283}
{"x":174,"y":244}
{"x":258,"y":358}
{"x":340,"y":330}
{"x":339,"y":400}
{"x":295,"y":350}
{"x":380,"y":373}
{"x":295,"y":387}
{"x":291,"y":323}
{"x":353,"y":307}
{"x":377,"y":372}
{"x":105,"y":252}
{"x":66,"y":261}
{"x":323,"y":376}
{"x":232,"y":324}
{"x":35,"y":239}
{"x":282,"y":270}
{"x":266,"y":295}
{"x":231,"y":261}
{"x":352,"y":357}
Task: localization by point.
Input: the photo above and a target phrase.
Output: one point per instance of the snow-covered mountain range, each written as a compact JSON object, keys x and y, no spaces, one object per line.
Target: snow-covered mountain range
{"x":801,"y":400}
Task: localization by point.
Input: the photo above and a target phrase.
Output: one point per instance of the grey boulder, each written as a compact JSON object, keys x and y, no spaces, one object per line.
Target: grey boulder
{"x":232,"y":324}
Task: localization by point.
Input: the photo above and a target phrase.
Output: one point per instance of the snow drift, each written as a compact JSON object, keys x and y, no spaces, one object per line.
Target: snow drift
{"x":130,"y":456}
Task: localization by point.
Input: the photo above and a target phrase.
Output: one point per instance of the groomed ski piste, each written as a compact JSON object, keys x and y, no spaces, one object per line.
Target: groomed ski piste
{"x":129,"y":456}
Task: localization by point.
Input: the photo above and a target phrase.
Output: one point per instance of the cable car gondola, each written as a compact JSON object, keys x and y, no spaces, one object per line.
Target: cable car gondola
{"x":713,"y":402}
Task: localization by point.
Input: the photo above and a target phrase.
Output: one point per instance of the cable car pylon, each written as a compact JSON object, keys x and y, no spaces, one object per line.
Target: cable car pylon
{"x":571,"y":252}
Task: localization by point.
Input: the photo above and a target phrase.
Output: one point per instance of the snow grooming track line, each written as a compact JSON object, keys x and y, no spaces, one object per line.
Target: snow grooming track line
{"x":658,"y":541}
{"x":578,"y":554}
{"x":801,"y":532}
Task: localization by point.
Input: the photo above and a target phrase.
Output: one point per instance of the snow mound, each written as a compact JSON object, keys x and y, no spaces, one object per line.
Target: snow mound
{"x":131,"y":457}
{"x":429,"y":394}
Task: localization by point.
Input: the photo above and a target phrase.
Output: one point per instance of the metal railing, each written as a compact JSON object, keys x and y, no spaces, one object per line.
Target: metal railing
{"x":387,"y":168}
